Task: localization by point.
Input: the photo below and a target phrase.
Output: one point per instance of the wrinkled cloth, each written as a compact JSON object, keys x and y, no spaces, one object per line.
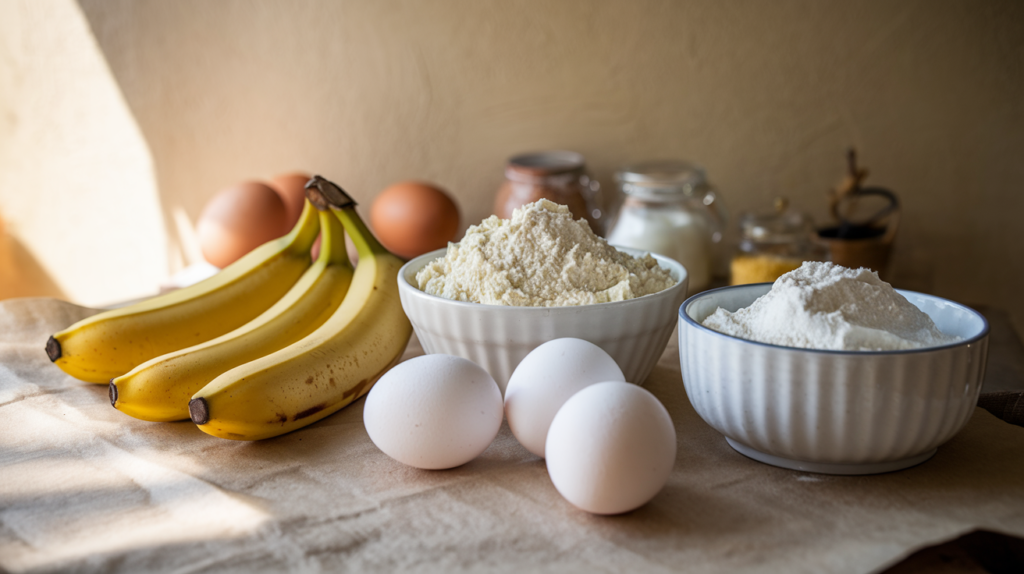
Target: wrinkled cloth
{"x":84,"y":487}
{"x":1007,"y":405}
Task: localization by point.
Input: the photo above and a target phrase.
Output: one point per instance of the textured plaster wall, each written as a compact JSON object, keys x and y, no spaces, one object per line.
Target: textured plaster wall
{"x":766,"y":95}
{"x":77,"y":191}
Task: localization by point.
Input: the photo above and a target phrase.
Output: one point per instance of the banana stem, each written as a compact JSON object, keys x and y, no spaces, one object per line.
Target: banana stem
{"x":325,"y":194}
{"x":332,"y":240}
{"x":366,"y":244}
{"x":305,"y":231}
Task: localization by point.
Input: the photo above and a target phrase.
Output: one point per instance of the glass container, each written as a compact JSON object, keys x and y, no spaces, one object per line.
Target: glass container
{"x":773,"y":244}
{"x":668,"y":207}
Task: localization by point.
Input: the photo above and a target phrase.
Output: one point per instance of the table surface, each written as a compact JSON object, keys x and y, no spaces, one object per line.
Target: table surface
{"x":85,"y":487}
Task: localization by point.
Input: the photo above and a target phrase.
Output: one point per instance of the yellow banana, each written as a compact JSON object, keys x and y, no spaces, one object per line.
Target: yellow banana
{"x":159,"y":389}
{"x":111,"y":343}
{"x":331,"y":367}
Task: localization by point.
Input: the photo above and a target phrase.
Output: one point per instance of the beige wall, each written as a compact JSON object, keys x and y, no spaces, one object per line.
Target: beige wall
{"x":766,"y":95}
{"x":77,"y":190}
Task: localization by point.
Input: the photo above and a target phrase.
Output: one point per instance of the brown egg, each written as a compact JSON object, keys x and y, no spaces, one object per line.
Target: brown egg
{"x":411,"y":218}
{"x":292,"y":187}
{"x":238,"y":219}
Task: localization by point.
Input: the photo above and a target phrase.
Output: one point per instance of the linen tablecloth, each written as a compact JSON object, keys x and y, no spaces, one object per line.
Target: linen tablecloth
{"x":84,"y":487}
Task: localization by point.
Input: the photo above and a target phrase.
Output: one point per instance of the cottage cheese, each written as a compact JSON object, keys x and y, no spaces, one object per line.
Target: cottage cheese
{"x":541,"y":257}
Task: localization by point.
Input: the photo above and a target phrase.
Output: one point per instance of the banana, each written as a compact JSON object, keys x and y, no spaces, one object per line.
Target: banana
{"x":111,"y":343}
{"x":159,"y":389}
{"x":331,"y":367}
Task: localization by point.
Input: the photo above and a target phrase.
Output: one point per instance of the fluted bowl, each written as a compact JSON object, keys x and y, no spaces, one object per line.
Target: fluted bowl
{"x":834,"y":412}
{"x":498,"y":337}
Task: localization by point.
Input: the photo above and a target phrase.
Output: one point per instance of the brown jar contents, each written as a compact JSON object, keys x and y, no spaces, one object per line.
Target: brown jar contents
{"x":558,"y":176}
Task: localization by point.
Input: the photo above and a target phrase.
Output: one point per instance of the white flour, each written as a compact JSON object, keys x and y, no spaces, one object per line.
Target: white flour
{"x":541,"y":257}
{"x":827,"y":306}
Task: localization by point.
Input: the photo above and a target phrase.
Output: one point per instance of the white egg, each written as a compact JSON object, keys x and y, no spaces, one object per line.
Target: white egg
{"x":611,"y":448}
{"x":434,"y":411}
{"x":545,"y":379}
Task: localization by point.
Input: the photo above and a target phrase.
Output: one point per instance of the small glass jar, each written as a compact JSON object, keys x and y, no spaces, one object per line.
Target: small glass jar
{"x":558,"y":176}
{"x":773,"y":244}
{"x":669,"y":208}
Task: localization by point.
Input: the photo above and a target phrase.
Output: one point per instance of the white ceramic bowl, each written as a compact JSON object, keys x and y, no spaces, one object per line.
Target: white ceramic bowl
{"x":834,"y":412}
{"x":498,"y":337}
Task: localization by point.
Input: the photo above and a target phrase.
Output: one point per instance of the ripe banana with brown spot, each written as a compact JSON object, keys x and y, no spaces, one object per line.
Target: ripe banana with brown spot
{"x":328,"y":369}
{"x":110,"y":344}
{"x":159,"y":389}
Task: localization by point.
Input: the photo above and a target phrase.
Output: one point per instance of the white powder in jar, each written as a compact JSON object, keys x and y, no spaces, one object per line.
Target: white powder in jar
{"x":828,"y":306}
{"x":678,"y":234}
{"x":541,"y":257}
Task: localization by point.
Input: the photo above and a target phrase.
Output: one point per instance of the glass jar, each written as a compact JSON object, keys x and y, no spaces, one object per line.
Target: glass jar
{"x":558,"y":176}
{"x":773,"y":244}
{"x":669,"y":208}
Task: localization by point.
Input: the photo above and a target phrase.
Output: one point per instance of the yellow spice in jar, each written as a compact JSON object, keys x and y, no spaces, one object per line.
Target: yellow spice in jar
{"x":761,"y":268}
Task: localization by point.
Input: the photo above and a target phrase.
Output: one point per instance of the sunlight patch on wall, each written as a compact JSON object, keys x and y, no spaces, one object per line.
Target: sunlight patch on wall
{"x":77,"y":186}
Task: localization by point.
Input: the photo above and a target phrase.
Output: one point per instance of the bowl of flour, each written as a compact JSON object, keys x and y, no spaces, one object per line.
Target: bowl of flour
{"x":831,"y":370}
{"x":512,"y":284}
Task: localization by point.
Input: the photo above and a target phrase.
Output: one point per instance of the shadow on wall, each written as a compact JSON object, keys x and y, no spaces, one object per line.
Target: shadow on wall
{"x":211,"y":97}
{"x":77,"y":188}
{"x":21,"y":275}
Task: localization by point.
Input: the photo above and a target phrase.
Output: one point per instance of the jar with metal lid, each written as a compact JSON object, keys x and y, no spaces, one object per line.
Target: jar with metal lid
{"x":558,"y":176}
{"x":773,"y":244}
{"x":669,"y":208}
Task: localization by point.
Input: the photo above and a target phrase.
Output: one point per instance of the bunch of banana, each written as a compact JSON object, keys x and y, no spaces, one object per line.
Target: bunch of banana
{"x":329,"y":368}
{"x":111,"y":343}
{"x":159,"y":389}
{"x":267,"y":346}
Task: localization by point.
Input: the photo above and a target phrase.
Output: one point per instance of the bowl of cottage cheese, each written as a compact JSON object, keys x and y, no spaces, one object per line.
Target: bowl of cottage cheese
{"x":512,"y":284}
{"x":831,"y":370}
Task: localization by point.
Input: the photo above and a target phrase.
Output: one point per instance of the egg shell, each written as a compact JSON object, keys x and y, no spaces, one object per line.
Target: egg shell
{"x":411,"y":218}
{"x":239,"y":219}
{"x":434,"y":411}
{"x":292,"y":189}
{"x":611,"y":448}
{"x":545,"y":379}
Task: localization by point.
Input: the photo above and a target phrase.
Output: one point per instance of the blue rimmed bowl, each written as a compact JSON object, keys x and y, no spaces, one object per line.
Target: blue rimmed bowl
{"x":834,"y":412}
